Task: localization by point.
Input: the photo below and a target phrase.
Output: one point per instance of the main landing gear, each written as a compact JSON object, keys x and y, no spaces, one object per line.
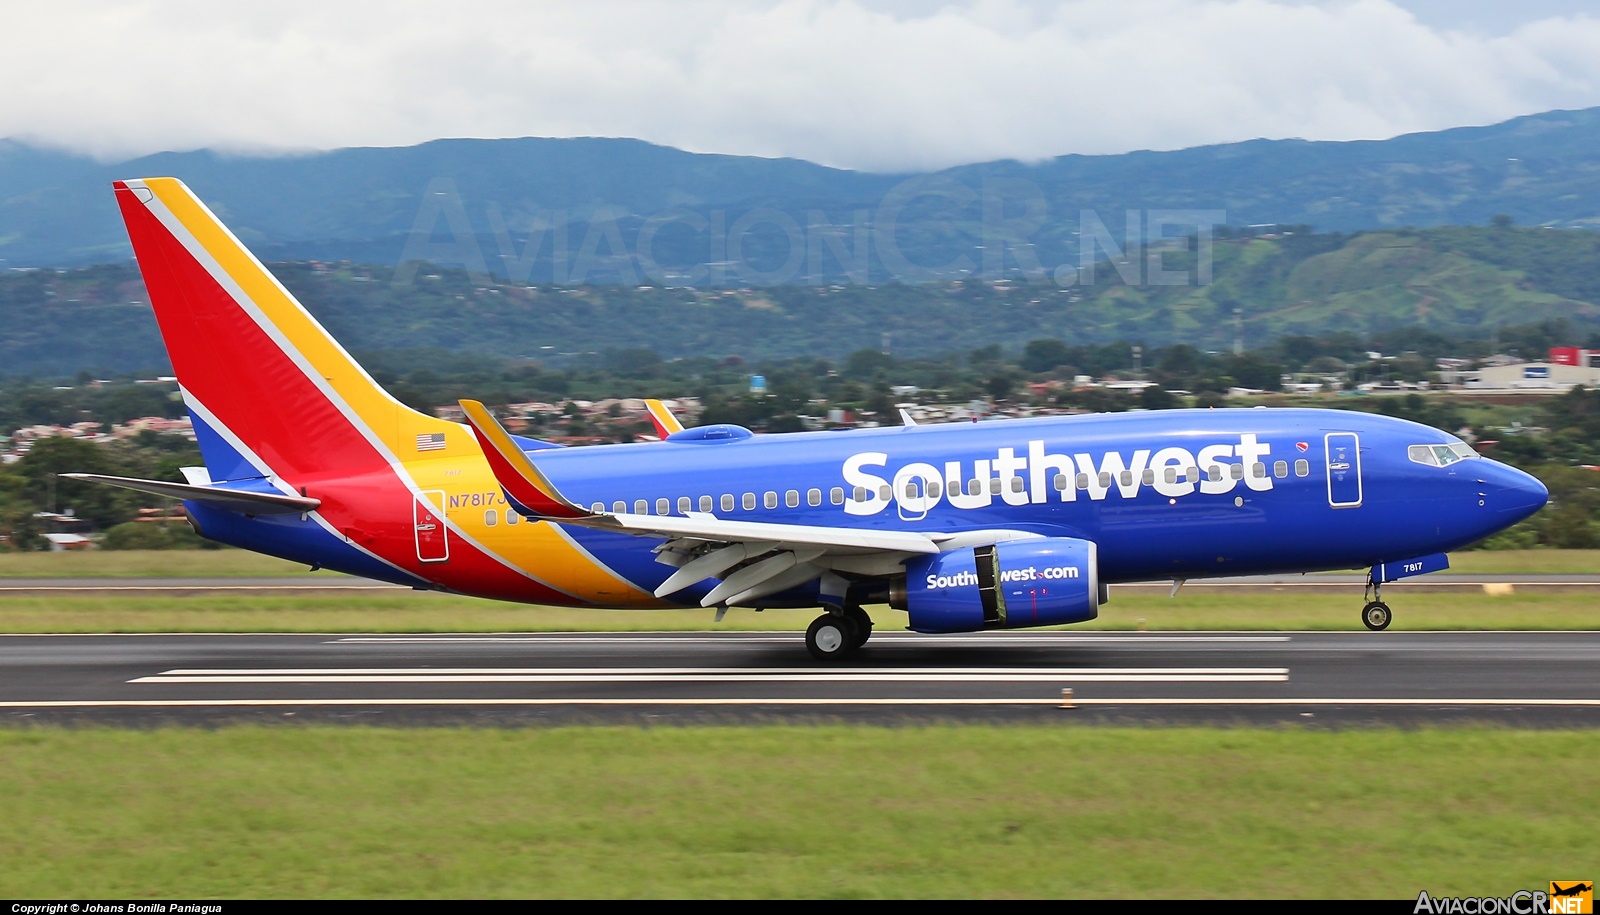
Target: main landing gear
{"x":1376,"y":615}
{"x":838,"y":633}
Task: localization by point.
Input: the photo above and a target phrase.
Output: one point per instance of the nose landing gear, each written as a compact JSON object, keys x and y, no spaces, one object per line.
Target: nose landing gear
{"x":1376,"y":615}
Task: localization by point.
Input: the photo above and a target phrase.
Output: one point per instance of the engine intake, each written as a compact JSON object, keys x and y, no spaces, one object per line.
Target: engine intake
{"x":1011,"y":585}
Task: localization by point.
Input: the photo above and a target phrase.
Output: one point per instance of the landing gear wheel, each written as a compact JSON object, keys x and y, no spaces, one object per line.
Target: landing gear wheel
{"x":863,"y":623}
{"x":1377,"y":616}
{"x":831,"y":637}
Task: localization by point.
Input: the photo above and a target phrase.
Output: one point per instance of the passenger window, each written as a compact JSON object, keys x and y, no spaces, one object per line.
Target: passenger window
{"x":1016,"y":484}
{"x":1060,"y":482}
{"x":1105,"y":479}
{"x":885,"y":493}
{"x":770,"y":500}
{"x":641,"y":507}
{"x":911,"y":489}
{"x":663,"y":507}
{"x":1126,"y":477}
{"x":1259,"y":471}
{"x":705,"y":503}
{"x":749,"y":501}
{"x":974,"y":486}
{"x":934,"y":489}
{"x":683,"y":505}
{"x":1191,"y":474}
{"x":1236,"y":471}
{"x":619,"y":507}
{"x":792,"y":499}
{"x":994,"y":485}
{"x":860,"y":494}
{"x":491,"y":517}
{"x":598,"y":507}
{"x":1170,"y":475}
{"x":1280,"y":469}
{"x":512,"y":517}
{"x":1149,"y":476}
{"x":1214,"y":472}
{"x":836,"y":495}
{"x":1083,"y":481}
{"x":1302,"y":468}
{"x":813,"y":497}
{"x":727,"y":501}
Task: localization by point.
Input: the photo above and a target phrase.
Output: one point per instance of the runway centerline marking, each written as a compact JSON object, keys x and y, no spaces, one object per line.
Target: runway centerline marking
{"x":737,"y":639}
{"x":730,"y":675}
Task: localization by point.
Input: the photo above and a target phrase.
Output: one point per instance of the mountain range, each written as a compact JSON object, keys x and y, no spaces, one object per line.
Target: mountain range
{"x":595,"y":196}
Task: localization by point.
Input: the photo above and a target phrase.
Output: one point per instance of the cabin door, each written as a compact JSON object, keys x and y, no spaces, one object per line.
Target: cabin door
{"x":1343,"y":451}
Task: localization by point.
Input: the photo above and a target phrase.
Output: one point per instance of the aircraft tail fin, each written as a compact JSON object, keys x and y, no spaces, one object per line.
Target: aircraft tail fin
{"x":527,"y":489}
{"x":271,"y":394}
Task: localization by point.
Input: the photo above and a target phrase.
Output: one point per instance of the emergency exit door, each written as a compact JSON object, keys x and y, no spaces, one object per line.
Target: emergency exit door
{"x":1343,"y":452}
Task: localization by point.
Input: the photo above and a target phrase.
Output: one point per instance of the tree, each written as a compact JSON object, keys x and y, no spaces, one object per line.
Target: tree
{"x":1044,"y":355}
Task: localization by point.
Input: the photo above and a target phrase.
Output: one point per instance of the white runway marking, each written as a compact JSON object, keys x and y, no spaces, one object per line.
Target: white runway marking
{"x":728,"y":675}
{"x":918,"y":640}
{"x":229,"y":703}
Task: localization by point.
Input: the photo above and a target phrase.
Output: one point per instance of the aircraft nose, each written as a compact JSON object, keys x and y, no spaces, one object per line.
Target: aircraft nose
{"x":1510,"y":493}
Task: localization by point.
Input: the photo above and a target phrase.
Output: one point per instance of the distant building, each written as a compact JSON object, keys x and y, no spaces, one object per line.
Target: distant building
{"x":1550,"y":376}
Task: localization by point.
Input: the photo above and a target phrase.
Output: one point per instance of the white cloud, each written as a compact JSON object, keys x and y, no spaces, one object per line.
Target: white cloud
{"x":863,"y":84}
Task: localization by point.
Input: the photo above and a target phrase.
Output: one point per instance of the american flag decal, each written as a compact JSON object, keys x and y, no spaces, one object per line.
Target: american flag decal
{"x":433,"y":441}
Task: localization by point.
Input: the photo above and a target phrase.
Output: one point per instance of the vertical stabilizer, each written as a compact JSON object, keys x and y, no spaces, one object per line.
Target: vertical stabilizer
{"x":270,"y":392}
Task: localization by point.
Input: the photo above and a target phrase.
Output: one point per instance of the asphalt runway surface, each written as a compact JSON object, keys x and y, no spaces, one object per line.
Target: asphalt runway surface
{"x":1538,"y":679}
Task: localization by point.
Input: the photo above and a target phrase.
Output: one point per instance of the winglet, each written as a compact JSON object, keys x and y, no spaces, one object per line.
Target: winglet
{"x":662,"y":419}
{"x":528,"y":490}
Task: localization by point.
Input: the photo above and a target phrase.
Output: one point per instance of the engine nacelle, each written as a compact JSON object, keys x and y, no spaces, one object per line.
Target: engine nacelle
{"x":1009,"y":585}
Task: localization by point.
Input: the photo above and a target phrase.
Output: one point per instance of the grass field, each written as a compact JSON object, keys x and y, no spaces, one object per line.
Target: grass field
{"x":835,"y":812}
{"x":243,"y":564}
{"x":406,"y":611}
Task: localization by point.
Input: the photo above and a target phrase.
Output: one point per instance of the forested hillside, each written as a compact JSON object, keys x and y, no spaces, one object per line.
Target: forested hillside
{"x":1462,"y":282}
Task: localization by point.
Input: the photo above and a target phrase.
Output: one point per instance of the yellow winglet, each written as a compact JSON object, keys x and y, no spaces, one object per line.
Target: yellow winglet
{"x":662,"y":419}
{"x":525,"y":486}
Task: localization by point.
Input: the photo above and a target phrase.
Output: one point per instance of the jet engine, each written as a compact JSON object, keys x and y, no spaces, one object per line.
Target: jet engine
{"x":1009,"y":585}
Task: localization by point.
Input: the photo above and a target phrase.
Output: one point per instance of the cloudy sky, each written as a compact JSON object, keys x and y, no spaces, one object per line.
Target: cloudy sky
{"x":883,"y":85}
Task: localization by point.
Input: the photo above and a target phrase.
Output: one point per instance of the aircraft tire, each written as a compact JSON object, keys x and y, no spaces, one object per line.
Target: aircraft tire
{"x":831,"y":637}
{"x":863,"y":624}
{"x":1377,"y":616}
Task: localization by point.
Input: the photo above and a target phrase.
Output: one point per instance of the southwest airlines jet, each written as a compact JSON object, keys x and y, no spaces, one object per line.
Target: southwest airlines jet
{"x":965,"y":526}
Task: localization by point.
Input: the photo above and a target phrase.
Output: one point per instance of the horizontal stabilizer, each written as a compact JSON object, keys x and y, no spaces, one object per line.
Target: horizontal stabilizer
{"x":254,"y":503}
{"x":525,"y":486}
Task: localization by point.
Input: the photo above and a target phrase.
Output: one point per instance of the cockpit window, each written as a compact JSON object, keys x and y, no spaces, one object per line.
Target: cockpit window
{"x":1440,"y":455}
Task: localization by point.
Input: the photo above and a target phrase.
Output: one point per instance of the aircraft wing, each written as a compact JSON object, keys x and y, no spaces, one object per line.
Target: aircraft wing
{"x":752,"y":559}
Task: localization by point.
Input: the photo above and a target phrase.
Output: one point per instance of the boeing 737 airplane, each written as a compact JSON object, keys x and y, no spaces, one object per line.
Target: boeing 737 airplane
{"x":965,"y":527}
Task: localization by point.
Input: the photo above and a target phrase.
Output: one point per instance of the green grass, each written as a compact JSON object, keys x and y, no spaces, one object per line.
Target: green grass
{"x":1526,"y":562}
{"x":837,"y":812}
{"x":148,"y":564}
{"x":244,"y":564}
{"x":406,"y":611}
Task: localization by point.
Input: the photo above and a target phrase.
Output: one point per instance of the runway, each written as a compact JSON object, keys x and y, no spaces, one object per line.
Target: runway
{"x":1338,"y":679}
{"x":329,"y":585}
